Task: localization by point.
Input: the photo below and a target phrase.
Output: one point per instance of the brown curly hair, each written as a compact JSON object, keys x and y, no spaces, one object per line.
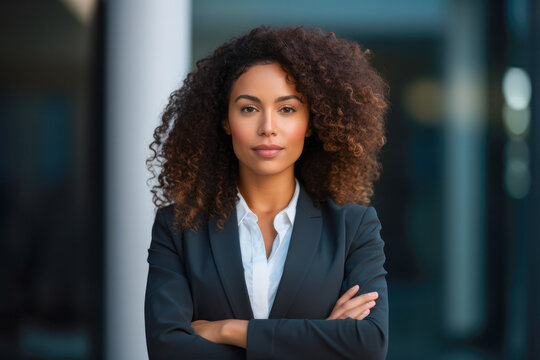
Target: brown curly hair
{"x":347,"y":101}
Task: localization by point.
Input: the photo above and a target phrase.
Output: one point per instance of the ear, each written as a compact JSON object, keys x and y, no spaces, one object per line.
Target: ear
{"x":226,"y":127}
{"x":308,"y":131}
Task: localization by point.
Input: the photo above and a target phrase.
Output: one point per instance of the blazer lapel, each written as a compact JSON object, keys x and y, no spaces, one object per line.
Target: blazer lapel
{"x":305,"y":239}
{"x":228,"y":258}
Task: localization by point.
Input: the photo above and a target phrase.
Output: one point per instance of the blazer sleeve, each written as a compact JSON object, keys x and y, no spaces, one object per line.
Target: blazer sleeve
{"x":340,"y":338}
{"x":168,"y":307}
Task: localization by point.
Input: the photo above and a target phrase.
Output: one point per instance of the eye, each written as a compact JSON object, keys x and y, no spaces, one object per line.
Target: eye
{"x":287,"y":109}
{"x":248,"y":109}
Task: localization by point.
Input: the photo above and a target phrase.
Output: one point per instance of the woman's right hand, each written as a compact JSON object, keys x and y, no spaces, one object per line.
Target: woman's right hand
{"x":356,"y":308}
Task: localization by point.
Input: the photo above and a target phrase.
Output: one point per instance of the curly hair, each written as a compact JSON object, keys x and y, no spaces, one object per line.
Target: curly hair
{"x":347,"y":101}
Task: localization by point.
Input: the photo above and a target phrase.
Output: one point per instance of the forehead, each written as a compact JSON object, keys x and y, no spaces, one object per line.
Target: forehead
{"x":263,"y":79}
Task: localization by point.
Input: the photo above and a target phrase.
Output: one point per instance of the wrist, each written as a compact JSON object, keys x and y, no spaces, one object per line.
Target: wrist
{"x":234,"y":332}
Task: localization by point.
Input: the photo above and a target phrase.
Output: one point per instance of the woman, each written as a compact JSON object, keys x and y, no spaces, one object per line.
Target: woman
{"x":268,"y":248}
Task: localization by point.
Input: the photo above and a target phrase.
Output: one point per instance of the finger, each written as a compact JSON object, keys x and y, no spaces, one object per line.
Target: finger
{"x":357,"y":313}
{"x":347,"y":295}
{"x":197,"y":322}
{"x":363,"y":315}
{"x":360,"y":312}
{"x":360,"y":300}
{"x":345,"y":304}
{"x":347,"y":310}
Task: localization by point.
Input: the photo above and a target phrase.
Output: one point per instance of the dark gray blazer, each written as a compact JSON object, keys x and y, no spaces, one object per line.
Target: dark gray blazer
{"x":199,"y":275}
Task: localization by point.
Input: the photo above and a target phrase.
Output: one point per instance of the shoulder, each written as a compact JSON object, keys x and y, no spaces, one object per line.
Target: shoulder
{"x":165,"y":213}
{"x":351,"y":215}
{"x":165,"y":216}
{"x":354,"y":224}
{"x":170,"y":215}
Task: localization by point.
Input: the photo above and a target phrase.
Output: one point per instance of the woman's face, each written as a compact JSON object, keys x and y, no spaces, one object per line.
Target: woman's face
{"x":267,"y":121}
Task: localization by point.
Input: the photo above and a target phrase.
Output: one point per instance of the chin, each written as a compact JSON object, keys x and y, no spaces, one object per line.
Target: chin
{"x":269,"y":170}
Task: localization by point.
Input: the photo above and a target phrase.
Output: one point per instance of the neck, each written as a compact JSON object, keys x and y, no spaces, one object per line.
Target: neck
{"x":267,"y":193}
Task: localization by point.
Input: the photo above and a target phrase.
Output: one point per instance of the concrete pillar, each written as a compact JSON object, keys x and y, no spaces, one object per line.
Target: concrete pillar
{"x":147,"y":56}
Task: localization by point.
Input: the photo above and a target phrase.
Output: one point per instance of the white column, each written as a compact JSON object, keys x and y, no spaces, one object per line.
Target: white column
{"x":147,"y":56}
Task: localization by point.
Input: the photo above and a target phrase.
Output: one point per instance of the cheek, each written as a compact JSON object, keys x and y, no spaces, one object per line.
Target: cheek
{"x":241,"y":135}
{"x":296,"y":130}
{"x":300,"y":133}
{"x":299,"y":143}
{"x":297,"y":133}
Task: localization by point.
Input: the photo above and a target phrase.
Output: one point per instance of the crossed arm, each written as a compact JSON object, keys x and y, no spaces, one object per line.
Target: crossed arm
{"x":234,"y":331}
{"x":356,"y":328}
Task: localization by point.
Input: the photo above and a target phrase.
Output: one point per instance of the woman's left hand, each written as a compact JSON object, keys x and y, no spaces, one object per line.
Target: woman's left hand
{"x":210,"y":330}
{"x":229,"y":331}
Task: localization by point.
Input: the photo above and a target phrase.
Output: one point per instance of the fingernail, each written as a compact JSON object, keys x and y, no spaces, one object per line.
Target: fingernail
{"x":355,"y":287}
{"x":373,"y":294}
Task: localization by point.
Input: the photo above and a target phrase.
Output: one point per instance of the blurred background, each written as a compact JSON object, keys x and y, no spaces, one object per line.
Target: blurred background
{"x":82,"y":85}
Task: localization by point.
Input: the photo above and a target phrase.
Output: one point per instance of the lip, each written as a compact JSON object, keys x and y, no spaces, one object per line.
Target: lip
{"x":268,"y":150}
{"x":268,"y":147}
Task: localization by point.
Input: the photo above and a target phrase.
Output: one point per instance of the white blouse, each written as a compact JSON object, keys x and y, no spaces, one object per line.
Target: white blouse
{"x":262,"y":275}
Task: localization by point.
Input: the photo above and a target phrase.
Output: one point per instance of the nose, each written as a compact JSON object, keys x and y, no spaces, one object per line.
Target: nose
{"x":267,"y":126}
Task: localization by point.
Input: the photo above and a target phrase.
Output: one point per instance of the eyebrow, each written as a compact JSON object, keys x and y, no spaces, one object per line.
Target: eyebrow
{"x":279,"y":99}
